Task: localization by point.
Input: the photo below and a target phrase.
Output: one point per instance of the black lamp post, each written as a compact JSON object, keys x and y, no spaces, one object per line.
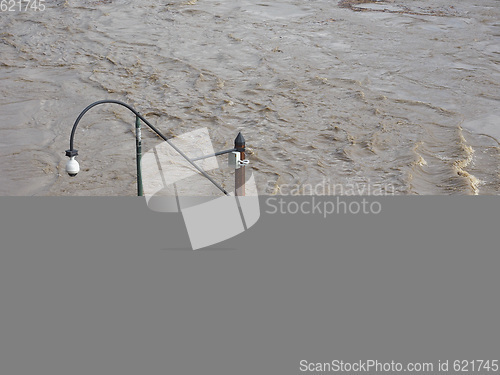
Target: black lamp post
{"x":72,"y":166}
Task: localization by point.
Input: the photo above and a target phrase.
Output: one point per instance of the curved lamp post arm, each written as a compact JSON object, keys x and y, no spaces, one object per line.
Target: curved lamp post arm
{"x":72,"y":152}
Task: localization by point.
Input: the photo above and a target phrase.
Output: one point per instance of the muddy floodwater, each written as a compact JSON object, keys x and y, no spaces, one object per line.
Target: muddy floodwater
{"x":396,"y":97}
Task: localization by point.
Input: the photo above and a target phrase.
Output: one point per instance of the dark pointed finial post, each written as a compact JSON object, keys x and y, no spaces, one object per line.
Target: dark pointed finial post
{"x":239,"y":177}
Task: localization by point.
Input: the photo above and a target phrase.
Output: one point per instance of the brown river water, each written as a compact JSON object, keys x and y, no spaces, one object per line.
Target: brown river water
{"x":398,"y":97}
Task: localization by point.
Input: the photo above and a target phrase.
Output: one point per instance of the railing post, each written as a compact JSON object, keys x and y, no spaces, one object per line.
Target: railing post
{"x":239,"y":177}
{"x":138,"y":147}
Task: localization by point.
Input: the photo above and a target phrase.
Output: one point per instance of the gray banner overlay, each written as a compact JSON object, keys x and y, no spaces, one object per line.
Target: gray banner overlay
{"x":108,"y":286}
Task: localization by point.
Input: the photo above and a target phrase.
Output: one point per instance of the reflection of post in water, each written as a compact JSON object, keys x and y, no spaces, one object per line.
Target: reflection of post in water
{"x":239,"y":177}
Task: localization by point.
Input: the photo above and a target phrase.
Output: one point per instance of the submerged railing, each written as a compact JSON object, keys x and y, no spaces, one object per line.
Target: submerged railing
{"x":237,"y":158}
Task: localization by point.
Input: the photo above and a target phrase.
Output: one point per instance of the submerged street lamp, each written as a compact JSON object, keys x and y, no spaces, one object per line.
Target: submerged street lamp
{"x":72,"y":166}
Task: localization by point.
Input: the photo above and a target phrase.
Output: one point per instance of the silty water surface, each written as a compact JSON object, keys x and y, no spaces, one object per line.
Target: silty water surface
{"x":381,"y":97}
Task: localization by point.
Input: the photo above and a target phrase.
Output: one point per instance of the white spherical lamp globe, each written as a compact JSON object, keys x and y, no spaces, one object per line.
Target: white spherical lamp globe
{"x":72,"y":167}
